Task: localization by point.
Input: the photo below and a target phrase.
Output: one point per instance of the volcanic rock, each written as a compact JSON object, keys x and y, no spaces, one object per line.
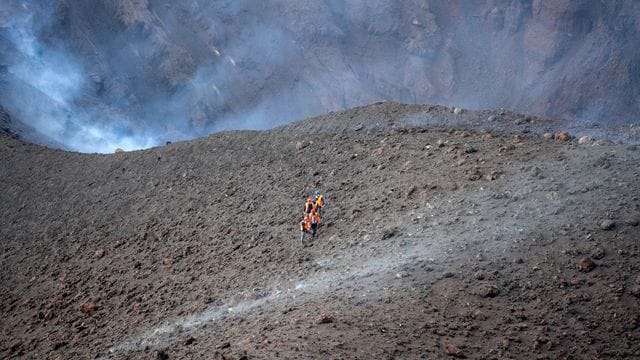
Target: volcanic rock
{"x":389,"y":232}
{"x":597,"y":253}
{"x":586,"y":264}
{"x":224,"y":345}
{"x":487,"y":290}
{"x":479,"y":315}
{"x":607,"y":224}
{"x":161,"y":355}
{"x":15,"y":345}
{"x":453,"y":350}
{"x":583,"y":140}
{"x":562,"y":136}
{"x":474,"y":175}
{"x":324,"y":319}
{"x":88,"y":307}
{"x":412,"y":189}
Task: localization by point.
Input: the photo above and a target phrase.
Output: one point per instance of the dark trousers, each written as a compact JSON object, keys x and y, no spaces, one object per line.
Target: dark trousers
{"x":314,"y":227}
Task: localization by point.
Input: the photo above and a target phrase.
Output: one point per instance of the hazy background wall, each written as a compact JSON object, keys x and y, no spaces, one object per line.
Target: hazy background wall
{"x":96,"y":75}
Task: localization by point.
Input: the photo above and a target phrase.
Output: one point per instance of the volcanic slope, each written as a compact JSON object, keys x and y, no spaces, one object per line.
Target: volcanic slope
{"x":468,"y":242}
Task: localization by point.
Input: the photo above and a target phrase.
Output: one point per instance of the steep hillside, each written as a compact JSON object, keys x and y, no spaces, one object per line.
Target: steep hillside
{"x":436,"y":242}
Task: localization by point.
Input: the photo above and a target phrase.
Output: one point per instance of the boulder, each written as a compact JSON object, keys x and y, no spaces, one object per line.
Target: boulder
{"x":562,"y":136}
{"x":586,"y":264}
{"x":583,"y":140}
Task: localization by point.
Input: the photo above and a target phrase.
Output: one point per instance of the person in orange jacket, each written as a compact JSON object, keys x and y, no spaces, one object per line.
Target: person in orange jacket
{"x":314,"y":220}
{"x":319,"y":202}
{"x":309,"y":206}
{"x":305,"y":228}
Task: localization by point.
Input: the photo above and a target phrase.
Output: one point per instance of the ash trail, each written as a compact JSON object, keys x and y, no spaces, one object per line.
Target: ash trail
{"x":349,"y":269}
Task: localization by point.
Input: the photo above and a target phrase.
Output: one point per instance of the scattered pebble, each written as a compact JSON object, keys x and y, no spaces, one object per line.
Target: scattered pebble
{"x":487,"y":291}
{"x":584,"y":140}
{"x":161,"y":355}
{"x":597,"y":253}
{"x":224,"y":345}
{"x":586,"y":264}
{"x":562,"y":136}
{"x":607,"y":224}
{"x":453,"y":350}
{"x":479,"y":315}
{"x":324,"y":319}
{"x":388,"y":232}
{"x":88,"y":307}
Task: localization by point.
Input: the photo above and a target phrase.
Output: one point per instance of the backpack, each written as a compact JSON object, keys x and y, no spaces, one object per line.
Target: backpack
{"x":308,"y":207}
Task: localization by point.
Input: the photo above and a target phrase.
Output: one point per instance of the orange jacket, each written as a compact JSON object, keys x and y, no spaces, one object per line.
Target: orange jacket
{"x":313,"y":218}
{"x":305,"y":224}
{"x":319,"y":200}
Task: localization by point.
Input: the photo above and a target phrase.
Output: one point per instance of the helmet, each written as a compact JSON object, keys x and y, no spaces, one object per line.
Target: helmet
{"x":309,"y":200}
{"x":317,"y":192}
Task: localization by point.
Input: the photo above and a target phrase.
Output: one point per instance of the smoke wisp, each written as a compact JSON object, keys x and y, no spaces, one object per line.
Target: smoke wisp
{"x":97,"y":75}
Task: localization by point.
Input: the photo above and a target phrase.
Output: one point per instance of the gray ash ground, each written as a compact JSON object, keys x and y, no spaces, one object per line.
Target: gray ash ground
{"x":461,"y":242}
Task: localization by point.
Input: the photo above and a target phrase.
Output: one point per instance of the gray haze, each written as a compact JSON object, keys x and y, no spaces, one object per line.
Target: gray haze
{"x":97,"y":75}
